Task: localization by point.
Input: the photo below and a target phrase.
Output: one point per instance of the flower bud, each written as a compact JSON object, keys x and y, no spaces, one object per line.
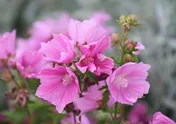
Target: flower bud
{"x":116,"y":39}
{"x":12,"y":93}
{"x":122,"y":19}
{"x":129,"y":58}
{"x":6,"y":75}
{"x":131,"y":18}
{"x":130,"y":45}
{"x":22,"y":97}
{"x":127,"y":22}
{"x":100,"y":103}
{"x":126,"y":27}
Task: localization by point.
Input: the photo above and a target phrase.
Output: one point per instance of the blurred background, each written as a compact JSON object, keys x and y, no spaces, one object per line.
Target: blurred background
{"x":157,"y":32}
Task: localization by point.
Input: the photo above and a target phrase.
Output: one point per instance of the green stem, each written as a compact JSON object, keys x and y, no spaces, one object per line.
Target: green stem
{"x":122,"y":56}
{"x":125,"y":37}
{"x":13,"y":78}
{"x":20,"y":80}
{"x":74,"y":118}
{"x":115,"y":113}
{"x":29,"y":115}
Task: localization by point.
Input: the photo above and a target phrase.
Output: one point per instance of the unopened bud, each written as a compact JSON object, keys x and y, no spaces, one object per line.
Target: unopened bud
{"x":127,"y":22}
{"x":100,"y":103}
{"x":12,"y":93}
{"x":6,"y":75}
{"x":126,"y":27}
{"x":132,"y":20}
{"x":130,"y":45}
{"x":116,"y":39}
{"x":129,"y":58}
{"x":132,"y":17}
{"x":22,"y":97}
{"x":122,"y":19}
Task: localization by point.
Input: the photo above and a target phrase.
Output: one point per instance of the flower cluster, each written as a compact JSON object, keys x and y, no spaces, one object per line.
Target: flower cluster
{"x":67,"y":56}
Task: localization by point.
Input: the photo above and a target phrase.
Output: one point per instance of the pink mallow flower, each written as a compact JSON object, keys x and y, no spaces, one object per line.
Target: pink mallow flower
{"x":159,"y":118}
{"x":90,"y":99}
{"x":7,"y":44}
{"x":102,"y":18}
{"x":31,"y":63}
{"x":93,"y":60}
{"x":93,"y":40}
{"x":26,"y":44}
{"x":60,"y":49}
{"x":128,"y":82}
{"x":59,"y":86}
{"x":86,"y":32}
{"x":97,"y":64}
{"x":138,"y":114}
{"x":42,"y":30}
{"x":140,"y":47}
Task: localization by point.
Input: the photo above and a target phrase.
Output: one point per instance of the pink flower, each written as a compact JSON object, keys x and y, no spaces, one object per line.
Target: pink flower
{"x":90,"y":99}
{"x":42,"y":30}
{"x":7,"y":44}
{"x":86,"y":32}
{"x":96,"y":47}
{"x":31,"y":63}
{"x":93,"y":60}
{"x":59,"y":86}
{"x":97,"y":64}
{"x":102,"y":18}
{"x":138,"y":114}
{"x":159,"y":118}
{"x":84,"y":119}
{"x":26,"y":44}
{"x":140,"y":47}
{"x":128,"y":82}
{"x":60,"y":49}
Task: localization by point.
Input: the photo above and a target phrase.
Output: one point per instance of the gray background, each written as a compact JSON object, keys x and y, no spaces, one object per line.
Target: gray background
{"x":157,"y":32}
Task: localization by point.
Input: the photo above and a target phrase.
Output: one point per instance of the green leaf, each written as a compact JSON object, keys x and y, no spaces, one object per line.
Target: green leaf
{"x":135,"y":58}
{"x":105,"y":98}
{"x":17,"y":117}
{"x":33,"y":84}
{"x":103,"y":87}
{"x":44,"y":113}
{"x":92,"y":76}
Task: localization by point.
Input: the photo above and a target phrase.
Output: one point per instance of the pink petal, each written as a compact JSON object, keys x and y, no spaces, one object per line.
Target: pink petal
{"x":59,"y":49}
{"x":86,"y":31}
{"x":53,"y":90}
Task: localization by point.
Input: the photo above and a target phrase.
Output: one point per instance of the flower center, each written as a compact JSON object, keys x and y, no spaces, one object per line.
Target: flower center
{"x":87,"y":60}
{"x":29,"y":69}
{"x":67,"y":79}
{"x":121,"y":82}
